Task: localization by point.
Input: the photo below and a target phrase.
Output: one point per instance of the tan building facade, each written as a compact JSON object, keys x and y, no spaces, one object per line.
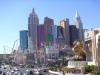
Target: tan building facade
{"x":65,"y":25}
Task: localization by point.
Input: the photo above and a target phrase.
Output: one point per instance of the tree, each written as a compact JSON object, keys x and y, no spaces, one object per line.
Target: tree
{"x":97,"y":31}
{"x":91,"y":69}
{"x":79,"y":49}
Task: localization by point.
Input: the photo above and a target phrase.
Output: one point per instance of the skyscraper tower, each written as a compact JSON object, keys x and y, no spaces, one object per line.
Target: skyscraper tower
{"x":73,"y":34}
{"x":48,"y":22}
{"x":23,"y":39}
{"x":65,"y":28}
{"x":33,"y":22}
{"x":79,"y":26}
{"x":41,"y":35}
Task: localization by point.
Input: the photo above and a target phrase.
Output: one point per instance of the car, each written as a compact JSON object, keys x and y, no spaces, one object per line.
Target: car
{"x":26,"y":72}
{"x":5,"y":68}
{"x":16,"y":69}
{"x":16,"y":73}
{"x":1,"y":73}
{"x":35,"y":71}
{"x":29,"y":72}
{"x":43,"y":71}
{"x":12,"y":72}
{"x":21,"y":65}
{"x":4,"y":73}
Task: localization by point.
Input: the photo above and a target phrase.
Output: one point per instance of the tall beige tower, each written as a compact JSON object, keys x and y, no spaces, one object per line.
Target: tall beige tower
{"x":65,"y":25}
{"x":93,"y":46}
{"x":96,"y":48}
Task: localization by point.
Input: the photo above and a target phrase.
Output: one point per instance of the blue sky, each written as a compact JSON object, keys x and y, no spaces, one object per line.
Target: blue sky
{"x":14,"y":14}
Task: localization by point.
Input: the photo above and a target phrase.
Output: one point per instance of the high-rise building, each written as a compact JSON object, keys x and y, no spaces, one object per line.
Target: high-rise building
{"x":54,"y":33}
{"x":79,"y":26}
{"x":33,"y":22}
{"x":60,"y":36}
{"x":65,"y":25}
{"x":73,"y":34}
{"x":41,"y":35}
{"x":48,"y":31}
{"x":24,"y":39}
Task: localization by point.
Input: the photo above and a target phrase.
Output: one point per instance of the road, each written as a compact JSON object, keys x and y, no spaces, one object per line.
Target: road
{"x":24,"y":71}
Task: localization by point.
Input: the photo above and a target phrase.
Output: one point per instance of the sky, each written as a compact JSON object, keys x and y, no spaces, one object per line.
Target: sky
{"x":14,"y":16}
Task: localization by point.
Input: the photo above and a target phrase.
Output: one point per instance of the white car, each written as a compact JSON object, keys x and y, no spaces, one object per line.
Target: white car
{"x":28,"y":72}
{"x":16,"y":73}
